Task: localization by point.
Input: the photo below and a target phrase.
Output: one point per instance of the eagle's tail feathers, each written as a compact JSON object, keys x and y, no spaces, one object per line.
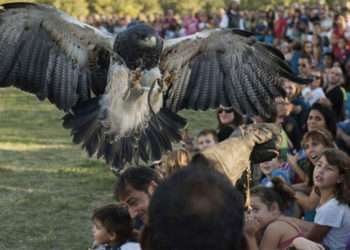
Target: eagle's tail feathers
{"x":148,"y":143}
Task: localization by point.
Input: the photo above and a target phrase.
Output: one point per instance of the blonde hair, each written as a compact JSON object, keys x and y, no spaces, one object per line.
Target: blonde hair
{"x":175,"y":160}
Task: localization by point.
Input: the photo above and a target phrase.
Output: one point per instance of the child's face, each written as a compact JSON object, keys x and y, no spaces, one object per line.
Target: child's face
{"x":205,"y":141}
{"x":268,"y":166}
{"x":261,"y":212}
{"x":326,"y":176}
{"x":101,"y":235}
{"x":313,"y":149}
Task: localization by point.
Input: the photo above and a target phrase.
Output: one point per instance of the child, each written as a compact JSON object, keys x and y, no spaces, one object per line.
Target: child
{"x":347,"y":195}
{"x":173,"y":161}
{"x":274,"y":168}
{"x":277,"y":231}
{"x":332,"y":220}
{"x":206,"y":138}
{"x":112,"y":228}
{"x":305,"y":195}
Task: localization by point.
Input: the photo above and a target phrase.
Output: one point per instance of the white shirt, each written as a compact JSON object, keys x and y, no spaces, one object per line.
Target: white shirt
{"x":312,"y":95}
{"x":224,"y":21}
{"x":336,"y":216}
{"x":131,"y":246}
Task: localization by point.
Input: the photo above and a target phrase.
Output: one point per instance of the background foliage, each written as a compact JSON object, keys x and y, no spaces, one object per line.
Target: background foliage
{"x":135,"y":7}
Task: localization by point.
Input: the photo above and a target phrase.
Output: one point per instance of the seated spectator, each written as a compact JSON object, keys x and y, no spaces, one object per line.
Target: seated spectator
{"x":197,"y":208}
{"x":314,"y":92}
{"x":298,"y":106}
{"x":289,"y":124}
{"x":174,"y":161}
{"x":112,"y":228}
{"x":334,"y":93}
{"x":228,"y":121}
{"x":305,"y":193}
{"x":332,"y":221}
{"x":304,"y":66}
{"x":206,"y":138}
{"x":135,"y":187}
{"x":328,"y":60}
{"x":321,"y":116}
{"x":274,"y":168}
{"x":277,"y":231}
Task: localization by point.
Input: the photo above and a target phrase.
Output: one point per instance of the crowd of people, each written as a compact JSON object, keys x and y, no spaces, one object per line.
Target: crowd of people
{"x":300,"y":198}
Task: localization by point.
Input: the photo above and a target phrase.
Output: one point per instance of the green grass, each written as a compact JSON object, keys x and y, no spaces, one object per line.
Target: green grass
{"x":49,"y":187}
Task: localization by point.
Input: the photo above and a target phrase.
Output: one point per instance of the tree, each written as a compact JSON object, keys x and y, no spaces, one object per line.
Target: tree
{"x":72,"y":7}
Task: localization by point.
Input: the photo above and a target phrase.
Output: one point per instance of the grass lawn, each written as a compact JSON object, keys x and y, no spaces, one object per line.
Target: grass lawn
{"x":48,"y":187}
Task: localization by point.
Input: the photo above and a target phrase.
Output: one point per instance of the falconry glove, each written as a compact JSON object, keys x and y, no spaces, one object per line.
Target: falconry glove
{"x":234,"y":155}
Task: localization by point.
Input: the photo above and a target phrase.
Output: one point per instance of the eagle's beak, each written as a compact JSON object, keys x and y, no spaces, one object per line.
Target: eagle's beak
{"x":150,"y":41}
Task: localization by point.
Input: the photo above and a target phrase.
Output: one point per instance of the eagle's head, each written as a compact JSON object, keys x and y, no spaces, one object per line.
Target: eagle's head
{"x":139,"y":45}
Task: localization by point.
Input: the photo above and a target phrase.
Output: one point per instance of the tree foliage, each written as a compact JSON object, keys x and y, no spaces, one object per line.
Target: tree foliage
{"x":136,"y":7}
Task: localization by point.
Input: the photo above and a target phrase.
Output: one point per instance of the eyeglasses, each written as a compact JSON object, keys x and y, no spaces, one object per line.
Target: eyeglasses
{"x":227,"y":110}
{"x":302,"y":65}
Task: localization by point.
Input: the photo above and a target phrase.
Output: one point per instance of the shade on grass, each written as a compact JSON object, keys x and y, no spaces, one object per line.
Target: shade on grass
{"x":48,"y":187}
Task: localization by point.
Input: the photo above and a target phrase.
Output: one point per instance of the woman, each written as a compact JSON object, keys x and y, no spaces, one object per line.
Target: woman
{"x":320,"y":116}
{"x":228,"y":121}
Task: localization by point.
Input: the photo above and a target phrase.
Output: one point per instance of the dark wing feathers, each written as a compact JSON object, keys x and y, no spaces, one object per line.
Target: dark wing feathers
{"x":52,"y":55}
{"x":151,"y":141}
{"x":226,"y":67}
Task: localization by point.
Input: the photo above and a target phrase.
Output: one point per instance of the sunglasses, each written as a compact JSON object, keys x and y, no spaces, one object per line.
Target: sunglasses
{"x":316,"y":78}
{"x":229,"y":110}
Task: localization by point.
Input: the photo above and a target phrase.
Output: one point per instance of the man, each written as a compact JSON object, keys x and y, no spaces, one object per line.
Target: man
{"x":304,"y":66}
{"x":196,"y":208}
{"x":135,"y":187}
{"x":334,"y":93}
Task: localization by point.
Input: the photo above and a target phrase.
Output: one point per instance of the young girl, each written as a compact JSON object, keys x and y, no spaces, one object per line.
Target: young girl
{"x":276,"y":230}
{"x":332,"y":220}
{"x":304,"y":193}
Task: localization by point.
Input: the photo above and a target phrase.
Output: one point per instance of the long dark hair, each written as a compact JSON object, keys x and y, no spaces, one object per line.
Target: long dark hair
{"x":328,"y":115}
{"x":341,"y":160}
{"x":269,"y":195}
{"x":325,"y":138}
{"x":237,"y":119}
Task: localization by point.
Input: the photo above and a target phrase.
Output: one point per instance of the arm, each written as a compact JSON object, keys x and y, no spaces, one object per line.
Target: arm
{"x":272,"y":236}
{"x":314,"y":232}
{"x":307,"y":202}
{"x":251,"y":242}
{"x":292,"y":160}
{"x":302,"y":243}
{"x":250,"y":231}
{"x":318,"y":232}
{"x":302,"y":187}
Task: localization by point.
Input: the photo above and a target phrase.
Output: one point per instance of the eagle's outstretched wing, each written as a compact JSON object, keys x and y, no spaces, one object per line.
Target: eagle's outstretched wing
{"x":48,"y":53}
{"x":227,"y":67}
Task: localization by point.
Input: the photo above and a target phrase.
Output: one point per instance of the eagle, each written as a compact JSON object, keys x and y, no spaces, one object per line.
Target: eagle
{"x":121,"y":93}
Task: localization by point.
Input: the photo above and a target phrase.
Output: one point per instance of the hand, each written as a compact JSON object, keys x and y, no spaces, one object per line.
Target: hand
{"x":325,"y":101}
{"x":251,"y":224}
{"x":282,"y":185}
{"x":234,"y":155}
{"x":302,"y":243}
{"x":292,"y":159}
